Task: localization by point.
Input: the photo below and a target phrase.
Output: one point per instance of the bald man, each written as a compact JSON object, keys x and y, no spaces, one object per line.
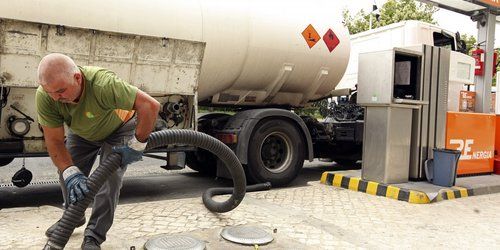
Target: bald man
{"x":103,"y":114}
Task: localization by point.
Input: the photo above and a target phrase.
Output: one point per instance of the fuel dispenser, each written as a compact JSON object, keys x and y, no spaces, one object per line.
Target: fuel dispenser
{"x":408,"y":108}
{"x":389,"y":85}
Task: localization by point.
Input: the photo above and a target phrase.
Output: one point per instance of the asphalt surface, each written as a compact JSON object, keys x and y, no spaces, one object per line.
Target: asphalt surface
{"x":144,"y":181}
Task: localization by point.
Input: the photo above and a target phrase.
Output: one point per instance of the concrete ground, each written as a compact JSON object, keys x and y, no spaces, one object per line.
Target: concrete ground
{"x":313,"y":216}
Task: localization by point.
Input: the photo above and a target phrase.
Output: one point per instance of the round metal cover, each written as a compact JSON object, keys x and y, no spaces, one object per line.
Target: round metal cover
{"x":22,"y":177}
{"x":247,"y":235}
{"x":175,"y":242}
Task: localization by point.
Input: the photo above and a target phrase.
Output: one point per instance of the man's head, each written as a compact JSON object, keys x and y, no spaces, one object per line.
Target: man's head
{"x":60,"y":78}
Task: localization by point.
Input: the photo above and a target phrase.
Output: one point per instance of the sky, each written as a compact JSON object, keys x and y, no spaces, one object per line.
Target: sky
{"x":448,"y":20}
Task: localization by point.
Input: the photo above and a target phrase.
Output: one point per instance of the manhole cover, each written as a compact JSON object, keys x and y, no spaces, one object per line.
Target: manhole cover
{"x":246,"y":235}
{"x":176,"y":242}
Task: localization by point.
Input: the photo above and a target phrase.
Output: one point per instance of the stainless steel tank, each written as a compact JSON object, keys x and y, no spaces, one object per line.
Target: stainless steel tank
{"x":256,"y":50}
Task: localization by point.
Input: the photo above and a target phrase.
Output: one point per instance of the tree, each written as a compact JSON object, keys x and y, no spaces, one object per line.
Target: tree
{"x":392,"y":11}
{"x":470,"y":42}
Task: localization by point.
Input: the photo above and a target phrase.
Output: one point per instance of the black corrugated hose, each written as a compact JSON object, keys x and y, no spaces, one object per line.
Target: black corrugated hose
{"x":75,"y":212}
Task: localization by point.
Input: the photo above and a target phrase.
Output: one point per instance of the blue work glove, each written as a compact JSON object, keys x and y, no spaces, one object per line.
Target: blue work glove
{"x":131,"y":152}
{"x":76,"y":184}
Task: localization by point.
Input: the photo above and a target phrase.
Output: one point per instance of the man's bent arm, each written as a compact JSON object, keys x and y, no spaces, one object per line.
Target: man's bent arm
{"x":147,"y":109}
{"x":54,"y":140}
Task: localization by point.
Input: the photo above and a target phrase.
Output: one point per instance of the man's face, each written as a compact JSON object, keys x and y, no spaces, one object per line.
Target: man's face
{"x":64,"y":90}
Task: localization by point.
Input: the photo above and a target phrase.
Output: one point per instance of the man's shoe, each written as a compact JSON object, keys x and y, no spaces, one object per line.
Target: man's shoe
{"x":89,"y":243}
{"x":53,"y":227}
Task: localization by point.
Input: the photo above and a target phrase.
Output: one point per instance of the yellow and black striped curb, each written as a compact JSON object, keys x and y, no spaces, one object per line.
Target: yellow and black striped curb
{"x":391,"y":191}
{"x":453,"y":193}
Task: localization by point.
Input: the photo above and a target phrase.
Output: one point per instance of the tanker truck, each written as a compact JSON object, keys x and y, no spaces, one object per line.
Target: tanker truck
{"x":262,"y":59}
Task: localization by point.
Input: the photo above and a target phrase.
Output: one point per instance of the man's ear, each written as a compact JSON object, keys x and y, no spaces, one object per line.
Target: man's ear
{"x":78,"y":77}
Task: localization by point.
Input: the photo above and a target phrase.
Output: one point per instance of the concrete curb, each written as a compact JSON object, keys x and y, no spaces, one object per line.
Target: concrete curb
{"x":392,"y":191}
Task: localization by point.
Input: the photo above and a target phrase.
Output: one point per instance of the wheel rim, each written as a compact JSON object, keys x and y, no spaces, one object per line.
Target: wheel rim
{"x":275,"y":152}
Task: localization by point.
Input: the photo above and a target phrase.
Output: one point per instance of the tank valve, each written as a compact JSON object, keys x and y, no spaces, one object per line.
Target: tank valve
{"x":173,"y":108}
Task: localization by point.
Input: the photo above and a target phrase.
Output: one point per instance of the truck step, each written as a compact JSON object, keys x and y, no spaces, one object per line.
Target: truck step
{"x":34,"y":183}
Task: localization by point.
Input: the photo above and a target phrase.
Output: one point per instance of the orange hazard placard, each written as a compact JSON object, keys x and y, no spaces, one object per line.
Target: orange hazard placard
{"x":331,"y":40}
{"x":474,"y":135}
{"x":311,"y":35}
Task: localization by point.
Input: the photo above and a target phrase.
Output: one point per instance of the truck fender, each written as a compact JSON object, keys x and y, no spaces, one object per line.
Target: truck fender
{"x":244,"y":122}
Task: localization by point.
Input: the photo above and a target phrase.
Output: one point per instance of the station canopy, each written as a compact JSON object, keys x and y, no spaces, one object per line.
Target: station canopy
{"x":468,"y":7}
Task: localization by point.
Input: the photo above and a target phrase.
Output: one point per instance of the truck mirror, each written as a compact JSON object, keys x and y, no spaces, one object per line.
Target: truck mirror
{"x":461,"y":45}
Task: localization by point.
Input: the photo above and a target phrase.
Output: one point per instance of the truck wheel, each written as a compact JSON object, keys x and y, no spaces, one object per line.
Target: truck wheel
{"x":202,"y":161}
{"x":5,"y":161}
{"x":275,"y":152}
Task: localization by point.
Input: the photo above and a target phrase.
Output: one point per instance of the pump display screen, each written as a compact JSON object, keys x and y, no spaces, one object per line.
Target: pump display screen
{"x":402,"y":73}
{"x":406,"y":76}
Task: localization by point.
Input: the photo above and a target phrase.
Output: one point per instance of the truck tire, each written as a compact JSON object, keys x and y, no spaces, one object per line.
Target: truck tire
{"x":275,"y":152}
{"x":5,"y":161}
{"x":202,"y":161}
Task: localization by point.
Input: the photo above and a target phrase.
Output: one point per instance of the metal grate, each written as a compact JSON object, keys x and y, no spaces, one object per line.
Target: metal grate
{"x":34,"y":183}
{"x":247,"y":235}
{"x":176,"y":242}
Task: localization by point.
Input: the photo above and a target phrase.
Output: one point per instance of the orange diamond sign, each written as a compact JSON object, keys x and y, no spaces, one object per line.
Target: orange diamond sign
{"x":311,"y":35}
{"x":331,"y":40}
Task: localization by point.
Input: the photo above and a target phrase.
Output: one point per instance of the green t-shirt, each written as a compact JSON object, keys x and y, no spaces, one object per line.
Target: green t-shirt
{"x":106,"y":102}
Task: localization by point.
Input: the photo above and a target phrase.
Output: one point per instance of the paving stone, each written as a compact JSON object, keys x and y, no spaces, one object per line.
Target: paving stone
{"x":313,"y":216}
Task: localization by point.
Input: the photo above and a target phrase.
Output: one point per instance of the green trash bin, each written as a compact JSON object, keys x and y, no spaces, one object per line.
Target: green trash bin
{"x":442,"y":170}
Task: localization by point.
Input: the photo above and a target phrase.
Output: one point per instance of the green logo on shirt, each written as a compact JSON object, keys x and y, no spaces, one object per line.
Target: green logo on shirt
{"x":89,"y":115}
